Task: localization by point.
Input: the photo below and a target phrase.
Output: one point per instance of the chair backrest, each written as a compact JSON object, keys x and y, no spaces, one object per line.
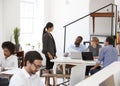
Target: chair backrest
{"x":77,"y":74}
{"x":20,"y":55}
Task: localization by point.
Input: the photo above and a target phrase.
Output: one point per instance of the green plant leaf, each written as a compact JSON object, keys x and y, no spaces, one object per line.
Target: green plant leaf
{"x":16,"y":35}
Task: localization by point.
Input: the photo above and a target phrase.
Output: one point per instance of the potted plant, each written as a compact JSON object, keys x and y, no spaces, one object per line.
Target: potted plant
{"x":16,"y":38}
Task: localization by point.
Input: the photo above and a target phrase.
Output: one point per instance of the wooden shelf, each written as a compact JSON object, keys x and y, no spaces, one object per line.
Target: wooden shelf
{"x":100,"y":14}
{"x":108,"y":14}
{"x":99,"y":35}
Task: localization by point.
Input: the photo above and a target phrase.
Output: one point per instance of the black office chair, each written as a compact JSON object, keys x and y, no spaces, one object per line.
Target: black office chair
{"x":20,"y":55}
{"x":88,"y":42}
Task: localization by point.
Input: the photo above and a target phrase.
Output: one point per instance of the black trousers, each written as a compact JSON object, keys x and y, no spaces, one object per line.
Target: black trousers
{"x":88,"y":70}
{"x":95,"y":70}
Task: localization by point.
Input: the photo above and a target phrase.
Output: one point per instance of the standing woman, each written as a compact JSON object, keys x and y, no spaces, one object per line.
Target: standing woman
{"x":49,"y":48}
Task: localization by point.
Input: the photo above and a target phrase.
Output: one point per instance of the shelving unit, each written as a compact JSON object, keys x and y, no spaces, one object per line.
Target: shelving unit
{"x":101,"y":14}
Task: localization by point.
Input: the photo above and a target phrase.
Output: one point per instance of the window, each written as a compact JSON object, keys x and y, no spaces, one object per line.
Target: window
{"x":31,"y":23}
{"x":26,"y":16}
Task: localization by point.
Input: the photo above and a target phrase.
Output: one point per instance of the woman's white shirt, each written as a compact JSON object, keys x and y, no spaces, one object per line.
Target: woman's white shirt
{"x":11,"y":61}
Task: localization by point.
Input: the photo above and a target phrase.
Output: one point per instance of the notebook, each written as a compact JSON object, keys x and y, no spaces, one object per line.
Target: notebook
{"x":75,"y":55}
{"x":87,"y":56}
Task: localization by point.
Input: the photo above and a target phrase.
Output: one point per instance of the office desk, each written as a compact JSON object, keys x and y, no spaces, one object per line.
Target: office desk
{"x":68,"y":60}
{"x":8,"y":74}
{"x":5,"y":76}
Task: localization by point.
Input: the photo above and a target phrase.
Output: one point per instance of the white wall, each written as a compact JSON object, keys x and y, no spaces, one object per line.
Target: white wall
{"x":61,"y":12}
{"x":9,"y":19}
{"x":1,"y":23}
{"x":34,"y":37}
{"x":118,"y":3}
{"x":47,"y":10}
{"x":1,"y":20}
{"x":11,"y":12}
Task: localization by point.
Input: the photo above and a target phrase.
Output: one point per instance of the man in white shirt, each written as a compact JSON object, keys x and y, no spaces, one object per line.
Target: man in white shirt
{"x":27,"y":75}
{"x":10,"y":60}
{"x":76,"y":47}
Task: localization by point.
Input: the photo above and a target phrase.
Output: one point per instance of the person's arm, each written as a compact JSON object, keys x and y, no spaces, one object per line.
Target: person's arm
{"x":95,"y":66}
{"x":101,"y":55}
{"x":45,"y":43}
{"x":69,"y":49}
{"x":49,"y":55}
{"x":45,"y":46}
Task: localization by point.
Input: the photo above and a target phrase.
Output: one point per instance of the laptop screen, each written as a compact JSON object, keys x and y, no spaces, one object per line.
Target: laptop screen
{"x":75,"y":55}
{"x":87,"y":56}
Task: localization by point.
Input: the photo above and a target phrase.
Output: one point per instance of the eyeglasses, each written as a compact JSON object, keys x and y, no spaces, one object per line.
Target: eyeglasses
{"x":37,"y":66}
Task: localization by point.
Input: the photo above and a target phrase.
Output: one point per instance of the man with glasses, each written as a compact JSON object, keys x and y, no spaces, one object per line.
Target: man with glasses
{"x":27,"y":75}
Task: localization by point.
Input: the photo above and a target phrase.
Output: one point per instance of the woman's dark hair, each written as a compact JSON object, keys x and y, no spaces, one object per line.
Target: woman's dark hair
{"x":9,"y":45}
{"x":110,"y":40}
{"x":31,"y":56}
{"x":48,"y":25}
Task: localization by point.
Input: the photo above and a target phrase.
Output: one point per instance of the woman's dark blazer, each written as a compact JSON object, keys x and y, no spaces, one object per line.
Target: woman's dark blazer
{"x":49,"y":44}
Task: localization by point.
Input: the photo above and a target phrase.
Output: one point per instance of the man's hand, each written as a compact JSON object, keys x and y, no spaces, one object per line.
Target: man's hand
{"x":92,"y":68}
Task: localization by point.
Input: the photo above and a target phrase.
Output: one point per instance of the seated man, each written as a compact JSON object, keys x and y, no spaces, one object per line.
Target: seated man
{"x":108,"y":54}
{"x":77,"y":46}
{"x":10,"y":60}
{"x":27,"y":75}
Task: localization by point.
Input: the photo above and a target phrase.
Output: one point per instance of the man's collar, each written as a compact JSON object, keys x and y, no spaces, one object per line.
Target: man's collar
{"x":27,"y":75}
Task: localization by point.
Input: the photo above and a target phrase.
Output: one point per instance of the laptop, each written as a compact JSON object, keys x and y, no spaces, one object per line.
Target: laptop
{"x":76,"y":55}
{"x":87,"y":56}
